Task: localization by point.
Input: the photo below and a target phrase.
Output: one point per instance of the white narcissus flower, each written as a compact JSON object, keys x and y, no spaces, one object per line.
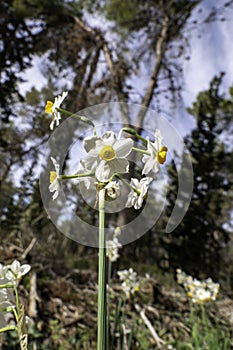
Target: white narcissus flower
{"x":54,"y":179}
{"x":198,"y":291}
{"x":112,"y":248}
{"x":107,"y":155}
{"x":51,"y":108}
{"x":113,"y":190}
{"x":16,"y":271}
{"x":130,"y":282}
{"x":137,"y":196}
{"x":157,"y":155}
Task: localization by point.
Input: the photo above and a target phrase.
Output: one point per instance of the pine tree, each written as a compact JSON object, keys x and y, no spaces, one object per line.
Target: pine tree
{"x":197,"y":243}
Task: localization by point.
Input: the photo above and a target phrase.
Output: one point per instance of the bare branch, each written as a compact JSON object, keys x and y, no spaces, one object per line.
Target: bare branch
{"x":159,"y":54}
{"x":147,"y":322}
{"x":115,"y":76}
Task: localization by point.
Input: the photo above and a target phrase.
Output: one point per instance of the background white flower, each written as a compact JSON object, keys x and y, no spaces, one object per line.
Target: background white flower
{"x":198,"y":291}
{"x":112,"y":249}
{"x":16,"y":271}
{"x":136,"y":198}
{"x":157,"y":155}
{"x":130,"y":282}
{"x":51,"y":107}
{"x":107,"y":155}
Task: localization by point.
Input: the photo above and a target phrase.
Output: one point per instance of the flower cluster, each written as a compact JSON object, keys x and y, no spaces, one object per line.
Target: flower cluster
{"x":129,"y":281}
{"x":10,"y":276}
{"x":198,"y":291}
{"x":113,"y":246}
{"x":106,"y":160}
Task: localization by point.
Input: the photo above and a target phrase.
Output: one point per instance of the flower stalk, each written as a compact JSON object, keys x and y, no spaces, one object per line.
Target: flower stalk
{"x":80,"y":117}
{"x":76,"y":176}
{"x":102,"y":297}
{"x":135,"y":134}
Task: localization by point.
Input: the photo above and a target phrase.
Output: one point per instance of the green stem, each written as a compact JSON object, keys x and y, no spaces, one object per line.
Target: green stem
{"x":127,"y":183}
{"x":101,"y":338}
{"x":134,"y":133}
{"x":80,"y":117}
{"x":17,"y":304}
{"x":141,"y":151}
{"x":6,"y":285}
{"x":8,"y":328}
{"x":109,"y":269}
{"x":66,"y":177}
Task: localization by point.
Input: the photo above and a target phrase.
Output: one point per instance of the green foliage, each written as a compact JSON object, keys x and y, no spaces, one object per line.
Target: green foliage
{"x":205,"y":334}
{"x":135,"y":15}
{"x":196,"y":245}
{"x":122,"y":12}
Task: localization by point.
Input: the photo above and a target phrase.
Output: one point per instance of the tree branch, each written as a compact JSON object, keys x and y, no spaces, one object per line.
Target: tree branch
{"x":159,"y":54}
{"x":115,"y":76}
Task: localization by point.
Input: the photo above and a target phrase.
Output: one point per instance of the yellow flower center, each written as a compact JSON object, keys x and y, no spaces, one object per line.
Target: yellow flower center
{"x":53,"y":176}
{"x":107,"y":153}
{"x":161,"y":156}
{"x":48,"y":107}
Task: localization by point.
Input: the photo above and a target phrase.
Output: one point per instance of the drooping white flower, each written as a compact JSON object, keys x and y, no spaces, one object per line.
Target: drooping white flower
{"x":51,"y":108}
{"x":130,"y":282}
{"x":157,"y":155}
{"x":112,"y":249}
{"x":113,"y":190}
{"x":54,"y":179}
{"x":137,"y":196}
{"x":107,"y":155}
{"x":16,"y":271}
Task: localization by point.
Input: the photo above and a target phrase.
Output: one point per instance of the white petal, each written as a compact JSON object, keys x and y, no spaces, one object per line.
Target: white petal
{"x":134,"y":182}
{"x":109,"y":138}
{"x":25,"y":268}
{"x":148,"y":165}
{"x":153,"y":148}
{"x":54,"y":186}
{"x":55,"y":195}
{"x":52,"y":124}
{"x":103,"y":171}
{"x":63,"y":96}
{"x":123,"y":147}
{"x":132,"y":197}
{"x":56,"y":165}
{"x":145,"y":184}
{"x":89,"y":143}
{"x":59,"y":99}
{"x":155,"y":167}
{"x":119,"y":165}
{"x":90,"y":162}
{"x":15,"y":266}
{"x":138,"y":203}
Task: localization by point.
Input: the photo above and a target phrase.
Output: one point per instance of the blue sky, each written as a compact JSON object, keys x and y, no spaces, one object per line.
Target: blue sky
{"x":211,"y":53}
